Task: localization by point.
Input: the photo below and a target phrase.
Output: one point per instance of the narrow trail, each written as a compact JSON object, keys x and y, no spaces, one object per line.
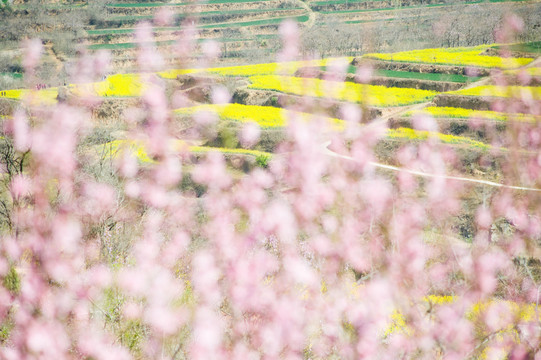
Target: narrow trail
{"x":311,"y":15}
{"x":58,"y":63}
{"x":326,"y":151}
{"x":420,"y":106}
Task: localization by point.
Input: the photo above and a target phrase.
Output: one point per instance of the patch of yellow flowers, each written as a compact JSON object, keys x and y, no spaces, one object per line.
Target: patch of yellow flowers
{"x":138,"y":149}
{"x":460,"y":113}
{"x":512,"y":310}
{"x":118,"y":85}
{"x":264,"y":116}
{"x":287,"y":68}
{"x":460,"y":56}
{"x":35,"y":97}
{"x":501,"y":91}
{"x":373,"y":95}
{"x":410,"y":134}
{"x":533,"y":71}
{"x":205,"y":149}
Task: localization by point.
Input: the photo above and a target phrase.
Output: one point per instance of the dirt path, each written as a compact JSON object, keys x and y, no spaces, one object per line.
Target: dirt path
{"x":326,"y":151}
{"x":58,"y":63}
{"x":311,"y":15}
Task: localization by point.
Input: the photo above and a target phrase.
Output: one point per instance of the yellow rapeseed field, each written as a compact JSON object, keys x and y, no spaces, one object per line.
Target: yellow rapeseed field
{"x":373,"y":95}
{"x":532,"y":71}
{"x":264,"y":116}
{"x":461,"y":56}
{"x":501,"y":91}
{"x":205,"y":149}
{"x":460,"y":113}
{"x":284,"y":68}
{"x":118,"y":85}
{"x":36,"y":97}
{"x":521,"y":312}
{"x":137,"y":148}
{"x":410,"y":134}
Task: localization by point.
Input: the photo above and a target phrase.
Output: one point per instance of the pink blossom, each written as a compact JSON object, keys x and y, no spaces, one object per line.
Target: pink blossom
{"x":250,"y":134}
{"x":33,"y":49}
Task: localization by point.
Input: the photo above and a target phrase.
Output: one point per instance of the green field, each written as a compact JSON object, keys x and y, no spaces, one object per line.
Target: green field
{"x":109,"y":31}
{"x":426,"y":76}
{"x":152,"y":4}
{"x":13,"y":75}
{"x":416,"y":75}
{"x":133,"y":45}
{"x":271,"y":21}
{"x":132,"y":18}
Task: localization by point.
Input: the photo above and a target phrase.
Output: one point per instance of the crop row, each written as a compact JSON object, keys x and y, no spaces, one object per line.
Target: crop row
{"x":134,"y":45}
{"x":426,"y":76}
{"x":269,"y":21}
{"x":159,"y":4}
{"x":373,"y":95}
{"x":460,"y":113}
{"x":341,"y":2}
{"x":139,"y":151}
{"x":261,"y":22}
{"x":453,"y":56}
{"x":411,"y":134}
{"x":118,"y":85}
{"x":264,"y":116}
{"x":287,"y":68}
{"x":501,"y":91}
{"x":205,"y":13}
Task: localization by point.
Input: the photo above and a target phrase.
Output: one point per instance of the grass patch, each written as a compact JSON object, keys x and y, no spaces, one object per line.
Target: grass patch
{"x":13,"y":75}
{"x":109,"y":31}
{"x":426,"y":76}
{"x":301,"y":18}
{"x":288,"y":68}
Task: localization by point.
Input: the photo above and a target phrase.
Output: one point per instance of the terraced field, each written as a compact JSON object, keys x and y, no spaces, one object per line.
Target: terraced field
{"x":247,"y":31}
{"x":402,"y":85}
{"x":436,"y":96}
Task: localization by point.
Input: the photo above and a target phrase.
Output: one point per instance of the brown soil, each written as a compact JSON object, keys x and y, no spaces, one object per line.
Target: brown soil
{"x":112,"y":109}
{"x":462,"y":101}
{"x":440,"y":86}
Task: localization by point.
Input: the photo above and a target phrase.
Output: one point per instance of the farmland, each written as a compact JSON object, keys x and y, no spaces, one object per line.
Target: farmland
{"x":271,"y":179}
{"x":247,"y":31}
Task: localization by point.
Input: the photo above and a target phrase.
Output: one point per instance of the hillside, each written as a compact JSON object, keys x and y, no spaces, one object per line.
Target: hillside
{"x":233,"y":179}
